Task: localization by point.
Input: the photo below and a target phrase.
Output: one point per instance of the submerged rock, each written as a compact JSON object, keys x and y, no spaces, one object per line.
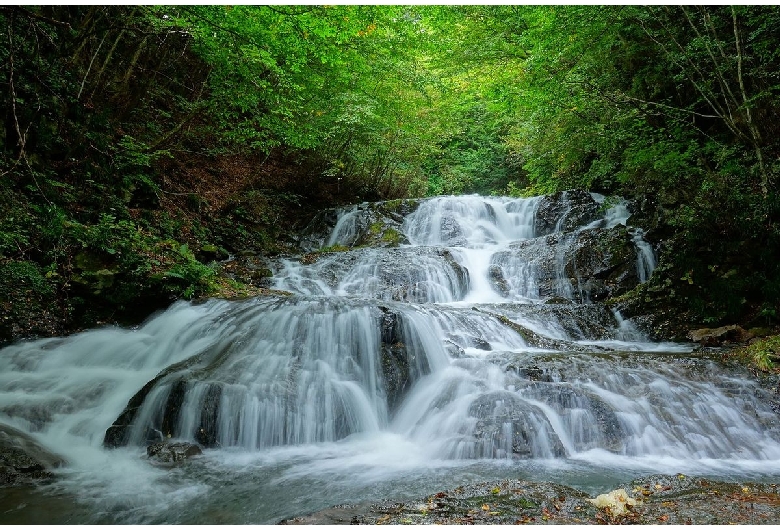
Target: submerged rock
{"x":170,"y":453}
{"x":23,"y":460}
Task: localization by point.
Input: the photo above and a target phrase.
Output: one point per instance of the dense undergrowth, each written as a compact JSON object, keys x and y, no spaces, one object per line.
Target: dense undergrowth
{"x":142,"y":145}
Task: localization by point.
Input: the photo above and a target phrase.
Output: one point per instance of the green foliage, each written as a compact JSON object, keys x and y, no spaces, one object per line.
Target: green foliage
{"x":188,"y":277}
{"x":761,"y":354}
{"x":23,"y":278}
{"x":329,"y":104}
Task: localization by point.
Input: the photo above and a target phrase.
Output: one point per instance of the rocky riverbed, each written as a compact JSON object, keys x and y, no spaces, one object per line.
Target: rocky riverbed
{"x":659,"y":499}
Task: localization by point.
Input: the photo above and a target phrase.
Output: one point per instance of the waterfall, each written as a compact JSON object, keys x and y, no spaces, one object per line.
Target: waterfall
{"x":480,"y":338}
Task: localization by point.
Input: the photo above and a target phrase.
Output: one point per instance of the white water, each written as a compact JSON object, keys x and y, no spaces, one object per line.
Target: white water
{"x":393,"y":374}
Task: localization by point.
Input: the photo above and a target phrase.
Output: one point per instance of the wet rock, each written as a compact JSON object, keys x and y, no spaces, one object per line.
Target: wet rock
{"x":395,"y":360}
{"x":500,"y":502}
{"x":558,"y":300}
{"x":603,"y":262}
{"x":451,"y":232}
{"x":454,"y":350}
{"x":171,"y":383}
{"x":170,"y":453}
{"x":23,"y":460}
{"x":533,"y":373}
{"x":719,"y":336}
{"x":386,"y":274}
{"x":366,"y":224}
{"x":600,"y":427}
{"x":395,"y":368}
{"x":498,"y":281}
{"x":508,"y":426}
{"x":314,"y":235}
{"x":580,"y":322}
{"x":251,"y":270}
{"x":565,"y":211}
{"x":584,"y":266}
{"x":198,"y":384}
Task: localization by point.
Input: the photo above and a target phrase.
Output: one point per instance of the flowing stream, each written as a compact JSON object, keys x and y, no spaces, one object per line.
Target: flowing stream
{"x":477,"y":349}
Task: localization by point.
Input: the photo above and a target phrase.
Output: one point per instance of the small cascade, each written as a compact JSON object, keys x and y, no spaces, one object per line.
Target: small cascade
{"x":351,"y":221}
{"x":645,"y":263}
{"x":618,"y":214}
{"x":438,"y":338}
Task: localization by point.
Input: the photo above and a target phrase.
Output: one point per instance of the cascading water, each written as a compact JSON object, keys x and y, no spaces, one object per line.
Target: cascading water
{"x":477,"y":349}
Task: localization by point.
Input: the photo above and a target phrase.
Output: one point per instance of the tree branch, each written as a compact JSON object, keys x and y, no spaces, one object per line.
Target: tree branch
{"x":30,"y":14}
{"x":751,"y":125}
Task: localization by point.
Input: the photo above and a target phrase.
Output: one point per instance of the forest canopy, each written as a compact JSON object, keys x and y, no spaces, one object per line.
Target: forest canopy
{"x":136,"y":136}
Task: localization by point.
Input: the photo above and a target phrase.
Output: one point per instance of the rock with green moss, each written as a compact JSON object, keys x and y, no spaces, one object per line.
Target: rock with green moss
{"x":359,"y":225}
{"x":208,"y":253}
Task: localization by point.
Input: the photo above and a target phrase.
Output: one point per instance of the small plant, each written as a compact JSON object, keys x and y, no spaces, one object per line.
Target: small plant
{"x":761,"y":354}
{"x":190,"y":277}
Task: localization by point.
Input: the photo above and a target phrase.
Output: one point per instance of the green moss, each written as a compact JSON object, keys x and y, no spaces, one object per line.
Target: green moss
{"x":333,"y":248}
{"x":376,"y":228}
{"x":392,"y":236}
{"x":394,"y":204}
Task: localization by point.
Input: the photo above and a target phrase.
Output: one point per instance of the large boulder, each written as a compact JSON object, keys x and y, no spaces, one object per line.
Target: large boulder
{"x":584,"y":266}
{"x":565,"y":211}
{"x":719,"y":336}
{"x":603,"y":262}
{"x":529,"y":435}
